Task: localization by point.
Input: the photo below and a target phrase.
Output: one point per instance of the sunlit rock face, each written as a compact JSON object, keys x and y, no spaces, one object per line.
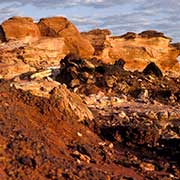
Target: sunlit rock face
{"x":62,"y":27}
{"x":45,"y":52}
{"x":26,"y":45}
{"x":45,"y":43}
{"x":138,"y":50}
{"x":19,"y":28}
{"x":18,"y":57}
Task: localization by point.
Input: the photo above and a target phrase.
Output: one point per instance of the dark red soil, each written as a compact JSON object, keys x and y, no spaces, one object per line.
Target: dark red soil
{"x":38,"y":141}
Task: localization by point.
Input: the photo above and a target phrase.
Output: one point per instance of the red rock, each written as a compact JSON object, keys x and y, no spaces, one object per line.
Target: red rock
{"x":71,"y":103}
{"x":17,"y":28}
{"x":39,"y":54}
{"x":62,"y":27}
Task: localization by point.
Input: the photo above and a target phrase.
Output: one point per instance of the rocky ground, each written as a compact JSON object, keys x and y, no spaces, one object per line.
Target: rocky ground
{"x":124,"y":126}
{"x":87,"y":106}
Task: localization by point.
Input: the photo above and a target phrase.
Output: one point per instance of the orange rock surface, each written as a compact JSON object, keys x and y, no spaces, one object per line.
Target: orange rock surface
{"x":62,"y":27}
{"x":138,"y":50}
{"x":44,"y":44}
{"x":17,"y":28}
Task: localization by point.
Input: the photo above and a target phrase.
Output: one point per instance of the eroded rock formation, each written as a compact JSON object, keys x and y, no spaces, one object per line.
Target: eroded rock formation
{"x":61,"y":27}
{"x":19,"y":28}
{"x":138,"y":50}
{"x":45,"y":52}
{"x":51,"y":39}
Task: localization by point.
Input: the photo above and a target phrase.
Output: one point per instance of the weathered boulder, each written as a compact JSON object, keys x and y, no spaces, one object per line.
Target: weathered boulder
{"x":17,"y":28}
{"x":71,"y":103}
{"x":62,"y":27}
{"x":138,"y":50}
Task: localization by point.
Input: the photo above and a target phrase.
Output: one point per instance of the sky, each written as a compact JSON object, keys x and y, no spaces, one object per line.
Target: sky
{"x":120,"y":16}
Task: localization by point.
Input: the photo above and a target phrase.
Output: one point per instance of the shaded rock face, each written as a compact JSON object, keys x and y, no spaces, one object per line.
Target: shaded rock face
{"x":2,"y":35}
{"x":151,"y":34}
{"x":79,"y":73}
{"x":138,"y":50}
{"x":91,"y":76}
{"x":152,"y":69}
{"x":61,"y":27}
{"x":17,"y":28}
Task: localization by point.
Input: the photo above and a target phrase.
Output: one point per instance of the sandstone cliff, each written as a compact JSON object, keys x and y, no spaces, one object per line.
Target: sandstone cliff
{"x":97,"y":38}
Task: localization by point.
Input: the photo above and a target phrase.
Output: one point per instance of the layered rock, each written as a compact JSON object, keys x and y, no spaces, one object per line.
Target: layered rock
{"x":61,"y":27}
{"x":46,"y":43}
{"x":11,"y":64}
{"x":9,"y":71}
{"x":41,"y":45}
{"x":71,"y":103}
{"x":138,"y":50}
{"x":17,"y":57}
{"x":17,"y":28}
{"x":45,"y":52}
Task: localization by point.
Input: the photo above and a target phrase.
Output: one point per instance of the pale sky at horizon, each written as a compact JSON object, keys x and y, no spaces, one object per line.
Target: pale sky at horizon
{"x":120,"y":16}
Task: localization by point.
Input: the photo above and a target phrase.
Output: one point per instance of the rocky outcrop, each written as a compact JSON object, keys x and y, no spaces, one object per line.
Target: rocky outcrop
{"x":99,"y":121}
{"x":11,"y":63}
{"x":138,"y":50}
{"x":17,"y":57}
{"x":41,"y":45}
{"x":61,"y":27}
{"x":63,"y":116}
{"x":9,"y":71}
{"x":71,"y":103}
{"x":45,"y":52}
{"x":17,"y":28}
{"x":97,"y":38}
{"x":46,"y":43}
